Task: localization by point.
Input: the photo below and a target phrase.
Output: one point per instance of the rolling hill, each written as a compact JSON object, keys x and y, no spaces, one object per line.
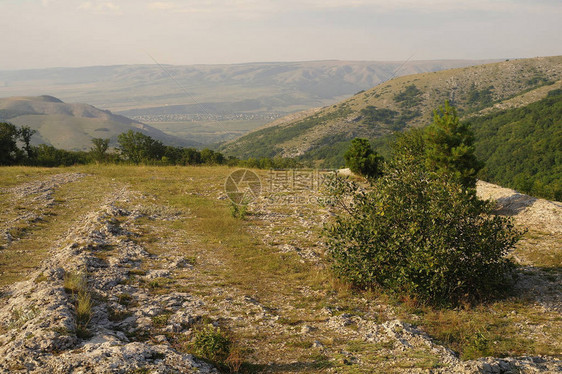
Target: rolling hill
{"x":212,"y":103}
{"x":72,"y":126}
{"x":401,"y":103}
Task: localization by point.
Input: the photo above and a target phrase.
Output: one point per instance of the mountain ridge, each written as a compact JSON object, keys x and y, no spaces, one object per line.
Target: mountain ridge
{"x":403,"y":102}
{"x":212,"y":103}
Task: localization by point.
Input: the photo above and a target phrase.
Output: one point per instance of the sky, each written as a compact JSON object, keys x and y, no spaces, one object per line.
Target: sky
{"x":66,"y":33}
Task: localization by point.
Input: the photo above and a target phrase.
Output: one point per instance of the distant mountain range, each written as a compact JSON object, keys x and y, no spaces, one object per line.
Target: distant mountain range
{"x":211,"y":103}
{"x":72,"y":126}
{"x":323,"y":135}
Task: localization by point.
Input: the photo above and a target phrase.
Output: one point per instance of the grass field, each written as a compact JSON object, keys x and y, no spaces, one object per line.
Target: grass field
{"x":264,"y":279}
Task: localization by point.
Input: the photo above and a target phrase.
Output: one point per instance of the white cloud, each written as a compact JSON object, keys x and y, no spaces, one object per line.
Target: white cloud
{"x":218,"y":6}
{"x":239,"y":9}
{"x":100,"y":7}
{"x":426,"y":6}
{"x":273,"y":6}
{"x":162,"y":5}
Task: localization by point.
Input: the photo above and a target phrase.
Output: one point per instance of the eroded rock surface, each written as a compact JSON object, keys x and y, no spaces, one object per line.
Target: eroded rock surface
{"x":38,"y":316}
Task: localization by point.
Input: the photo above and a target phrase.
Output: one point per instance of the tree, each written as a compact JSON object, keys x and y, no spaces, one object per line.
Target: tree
{"x":211,"y":157}
{"x":9,"y":151}
{"x":420,"y":233}
{"x":25,"y":134}
{"x":362,"y":160}
{"x":99,"y":149}
{"x":190,"y":156}
{"x":449,"y":147}
{"x":137,"y":147}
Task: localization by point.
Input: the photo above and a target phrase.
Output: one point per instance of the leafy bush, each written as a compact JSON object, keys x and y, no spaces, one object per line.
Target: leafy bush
{"x":420,"y":233}
{"x":47,"y":155}
{"x":395,"y":121}
{"x":479,"y":99}
{"x":10,"y":135}
{"x":138,"y":147}
{"x":99,"y":148}
{"x":373,"y":114}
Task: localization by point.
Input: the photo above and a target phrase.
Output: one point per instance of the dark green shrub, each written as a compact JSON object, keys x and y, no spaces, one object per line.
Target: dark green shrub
{"x":362,"y":160}
{"x":522,"y":147}
{"x":409,"y":145}
{"x":99,"y":148}
{"x":419,"y":233}
{"x":409,"y":97}
{"x":478,"y":99}
{"x":47,"y":155}
{"x":372,"y":114}
{"x":137,"y":147}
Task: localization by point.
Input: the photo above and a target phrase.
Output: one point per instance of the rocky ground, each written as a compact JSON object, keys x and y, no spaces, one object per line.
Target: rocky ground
{"x":543,"y":221}
{"x":148,"y":295}
{"x":39,"y":315}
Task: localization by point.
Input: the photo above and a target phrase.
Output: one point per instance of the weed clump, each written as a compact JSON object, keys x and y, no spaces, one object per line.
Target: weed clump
{"x":74,"y":282}
{"x":238,"y":211}
{"x":214,"y":344}
{"x":77,"y":285}
{"x":83,"y":314}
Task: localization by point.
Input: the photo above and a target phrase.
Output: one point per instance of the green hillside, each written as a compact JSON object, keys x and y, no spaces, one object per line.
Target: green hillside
{"x":522,"y":147}
{"x":402,"y":103}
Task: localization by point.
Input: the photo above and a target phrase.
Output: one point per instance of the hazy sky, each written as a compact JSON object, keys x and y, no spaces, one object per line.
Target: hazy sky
{"x":48,"y":33}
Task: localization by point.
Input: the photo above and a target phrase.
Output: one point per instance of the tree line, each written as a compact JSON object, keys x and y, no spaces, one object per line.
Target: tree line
{"x":133,"y":148}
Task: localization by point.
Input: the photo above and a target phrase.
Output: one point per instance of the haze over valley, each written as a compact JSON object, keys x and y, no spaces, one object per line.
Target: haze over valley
{"x":211,"y":103}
